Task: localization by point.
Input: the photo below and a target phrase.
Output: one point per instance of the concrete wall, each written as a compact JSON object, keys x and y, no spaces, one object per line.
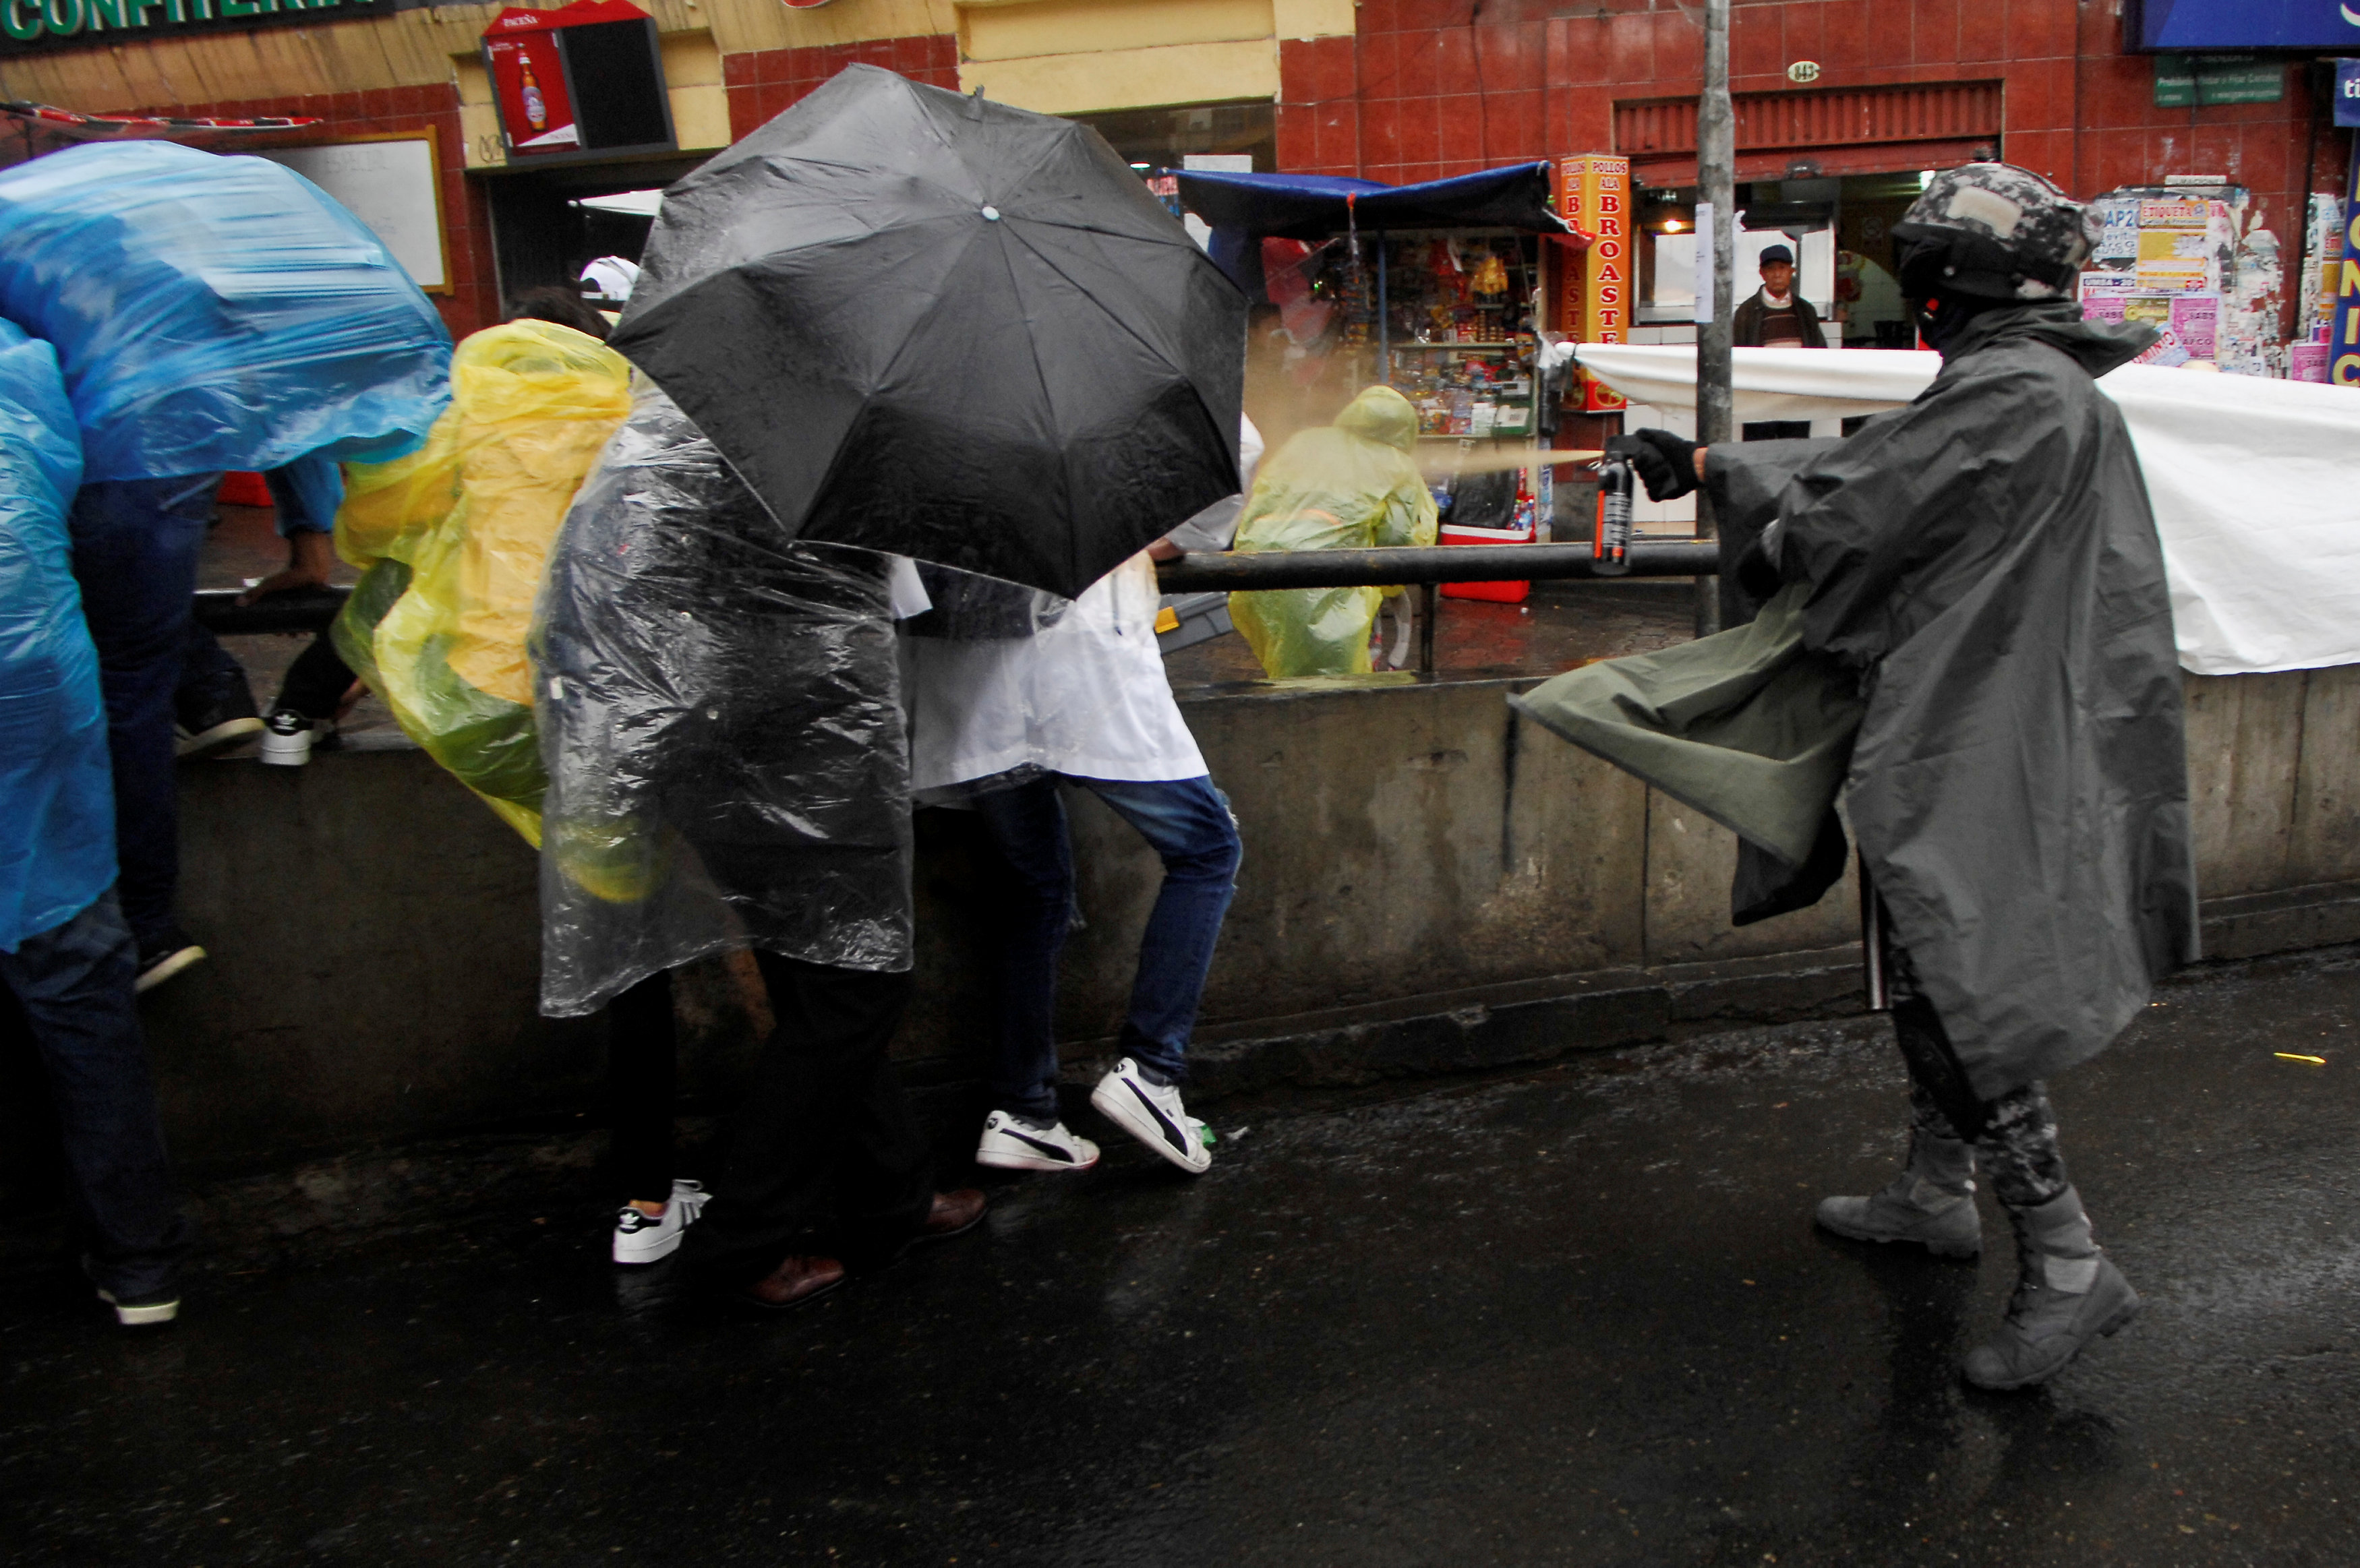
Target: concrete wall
{"x":1412,"y":851}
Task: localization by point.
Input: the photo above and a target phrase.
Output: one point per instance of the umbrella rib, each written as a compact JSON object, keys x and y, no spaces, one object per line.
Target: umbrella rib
{"x":1050,"y":262}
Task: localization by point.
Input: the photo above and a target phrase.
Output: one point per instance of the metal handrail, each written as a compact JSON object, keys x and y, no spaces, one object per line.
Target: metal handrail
{"x":310,"y":609}
{"x":1251,"y":570}
{"x":1255,"y":571}
{"x":297,"y":610}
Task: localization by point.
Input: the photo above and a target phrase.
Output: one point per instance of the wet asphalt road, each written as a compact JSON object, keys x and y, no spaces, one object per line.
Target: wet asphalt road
{"x":1578,"y":1317}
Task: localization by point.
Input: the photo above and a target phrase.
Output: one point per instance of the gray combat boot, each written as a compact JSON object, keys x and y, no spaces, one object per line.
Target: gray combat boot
{"x":1930,"y":1204}
{"x":2068,"y":1292}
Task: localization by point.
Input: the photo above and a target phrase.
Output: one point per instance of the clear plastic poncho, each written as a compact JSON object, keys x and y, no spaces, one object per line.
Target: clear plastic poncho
{"x":214,"y":313}
{"x":455,"y":541}
{"x":1350,"y":485}
{"x":721,"y":721}
{"x":57,"y":797}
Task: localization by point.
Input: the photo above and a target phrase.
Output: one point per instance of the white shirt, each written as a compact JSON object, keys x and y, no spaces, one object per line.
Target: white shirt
{"x":1087,"y":697}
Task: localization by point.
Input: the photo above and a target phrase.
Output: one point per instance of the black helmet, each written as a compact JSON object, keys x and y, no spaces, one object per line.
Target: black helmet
{"x":1996,"y":232}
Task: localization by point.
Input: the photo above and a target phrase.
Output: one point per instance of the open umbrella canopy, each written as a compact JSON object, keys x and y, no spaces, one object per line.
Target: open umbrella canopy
{"x":942,"y":327}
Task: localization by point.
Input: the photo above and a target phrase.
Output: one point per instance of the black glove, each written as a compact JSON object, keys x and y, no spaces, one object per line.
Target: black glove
{"x":1665,"y":463}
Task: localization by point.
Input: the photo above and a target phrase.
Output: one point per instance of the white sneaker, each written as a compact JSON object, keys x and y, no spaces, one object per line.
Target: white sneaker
{"x":288,"y":737}
{"x":143,"y":1312}
{"x":1009,"y":1145}
{"x":1154,"y":1116}
{"x":650,"y":1238}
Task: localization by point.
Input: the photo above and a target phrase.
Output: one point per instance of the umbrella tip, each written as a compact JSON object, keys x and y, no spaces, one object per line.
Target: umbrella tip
{"x":991,"y":214}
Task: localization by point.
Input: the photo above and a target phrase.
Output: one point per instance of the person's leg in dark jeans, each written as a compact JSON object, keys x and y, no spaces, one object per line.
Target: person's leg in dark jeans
{"x":1033,"y":911}
{"x":135,"y":556}
{"x":822,"y":1130}
{"x":213,"y":706}
{"x":74,"y":983}
{"x":1187,"y":823}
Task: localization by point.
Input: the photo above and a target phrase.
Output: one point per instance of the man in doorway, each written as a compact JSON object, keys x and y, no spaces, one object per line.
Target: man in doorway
{"x":1776,"y":317}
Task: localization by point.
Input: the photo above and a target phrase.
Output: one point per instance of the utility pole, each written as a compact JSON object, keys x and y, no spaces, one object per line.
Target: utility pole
{"x":1717,"y":179}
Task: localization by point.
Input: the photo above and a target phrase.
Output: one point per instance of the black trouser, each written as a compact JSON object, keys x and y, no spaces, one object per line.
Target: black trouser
{"x":642,"y":1054}
{"x":316,"y":682}
{"x":822,"y":1128}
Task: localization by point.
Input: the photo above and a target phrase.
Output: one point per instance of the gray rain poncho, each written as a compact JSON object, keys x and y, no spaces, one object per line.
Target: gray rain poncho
{"x":1973,"y":582}
{"x":721,"y":720}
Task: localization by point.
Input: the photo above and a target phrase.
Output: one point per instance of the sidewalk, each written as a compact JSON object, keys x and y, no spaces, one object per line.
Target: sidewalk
{"x":1576,"y":1316}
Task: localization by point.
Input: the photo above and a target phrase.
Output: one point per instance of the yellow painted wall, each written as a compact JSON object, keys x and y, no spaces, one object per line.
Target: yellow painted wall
{"x":1130,"y":79}
{"x":412,"y":48}
{"x":1067,"y":56}
{"x":1056,"y":56}
{"x":1089,"y":27}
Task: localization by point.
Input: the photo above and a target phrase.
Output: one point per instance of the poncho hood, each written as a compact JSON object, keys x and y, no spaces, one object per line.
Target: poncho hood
{"x":2096,"y":346}
{"x":1382,"y":414}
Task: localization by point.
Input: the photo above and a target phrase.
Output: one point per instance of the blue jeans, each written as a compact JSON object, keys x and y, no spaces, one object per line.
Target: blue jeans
{"x":1187,"y":823}
{"x":135,"y":555}
{"x":74,"y":985}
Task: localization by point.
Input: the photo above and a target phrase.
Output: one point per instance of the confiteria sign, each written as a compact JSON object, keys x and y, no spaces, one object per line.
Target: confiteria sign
{"x":29,"y":25}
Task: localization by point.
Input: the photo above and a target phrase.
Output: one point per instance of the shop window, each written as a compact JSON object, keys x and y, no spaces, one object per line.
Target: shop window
{"x":1164,"y":138}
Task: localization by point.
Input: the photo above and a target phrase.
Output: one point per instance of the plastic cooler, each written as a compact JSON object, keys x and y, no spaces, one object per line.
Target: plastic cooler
{"x":239,"y":489}
{"x":1498,"y":593}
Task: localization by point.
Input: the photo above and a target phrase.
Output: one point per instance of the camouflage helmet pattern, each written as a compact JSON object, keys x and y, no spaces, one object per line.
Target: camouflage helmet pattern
{"x":2009,"y":234}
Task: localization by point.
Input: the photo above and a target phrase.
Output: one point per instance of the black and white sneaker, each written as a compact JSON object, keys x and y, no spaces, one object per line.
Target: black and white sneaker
{"x":1010,"y":1143}
{"x":1153,"y":1113}
{"x":650,"y":1238}
{"x":143,"y":1312}
{"x":167,"y":956}
{"x":289,"y":738}
{"x":217,"y":728}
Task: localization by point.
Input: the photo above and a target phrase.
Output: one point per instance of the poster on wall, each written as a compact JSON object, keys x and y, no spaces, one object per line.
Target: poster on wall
{"x":2344,"y":340}
{"x":390,"y":183}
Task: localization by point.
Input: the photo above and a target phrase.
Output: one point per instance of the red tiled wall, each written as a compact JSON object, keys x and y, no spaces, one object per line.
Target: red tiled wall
{"x":765,"y":83}
{"x":1424,"y":92}
{"x":474,"y":301}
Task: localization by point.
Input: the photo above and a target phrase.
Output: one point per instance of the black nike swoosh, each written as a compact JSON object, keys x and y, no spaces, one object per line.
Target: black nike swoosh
{"x":1170,"y":1133}
{"x":1064,"y":1154}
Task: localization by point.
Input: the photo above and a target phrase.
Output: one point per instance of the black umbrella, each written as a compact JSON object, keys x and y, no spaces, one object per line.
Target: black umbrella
{"x":930,"y":324}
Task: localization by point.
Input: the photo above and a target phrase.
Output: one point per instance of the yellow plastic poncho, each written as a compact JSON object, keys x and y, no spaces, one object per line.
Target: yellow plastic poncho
{"x":455,"y":540}
{"x":1348,"y":485}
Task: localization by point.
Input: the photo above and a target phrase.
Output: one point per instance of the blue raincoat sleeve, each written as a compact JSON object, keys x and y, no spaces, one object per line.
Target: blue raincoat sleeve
{"x":214,"y":313}
{"x":57,"y":803}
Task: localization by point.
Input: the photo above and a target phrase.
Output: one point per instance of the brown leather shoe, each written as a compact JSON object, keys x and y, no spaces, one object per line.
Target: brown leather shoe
{"x":953,"y":1214}
{"x":794,"y":1281}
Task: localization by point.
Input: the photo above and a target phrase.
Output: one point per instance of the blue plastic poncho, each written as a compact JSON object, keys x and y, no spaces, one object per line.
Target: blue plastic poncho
{"x":215,"y":312}
{"x":57,"y":801}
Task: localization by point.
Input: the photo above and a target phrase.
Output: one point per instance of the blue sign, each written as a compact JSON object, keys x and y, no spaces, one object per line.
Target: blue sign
{"x":2347,"y":92}
{"x":2241,"y":24}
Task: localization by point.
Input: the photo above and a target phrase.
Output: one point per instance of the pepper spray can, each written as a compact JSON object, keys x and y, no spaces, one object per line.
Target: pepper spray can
{"x":1609,"y":551}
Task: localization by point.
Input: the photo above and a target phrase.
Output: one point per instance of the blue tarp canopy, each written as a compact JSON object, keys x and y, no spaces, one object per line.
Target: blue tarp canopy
{"x":1312,"y":206}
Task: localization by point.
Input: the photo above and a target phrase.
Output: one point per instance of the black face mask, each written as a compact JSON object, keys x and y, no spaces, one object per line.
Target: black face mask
{"x":1938,"y":311}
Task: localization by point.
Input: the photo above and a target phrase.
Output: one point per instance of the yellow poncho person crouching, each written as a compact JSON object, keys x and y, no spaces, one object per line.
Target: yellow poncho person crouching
{"x":454,"y":542}
{"x":1348,"y":485}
